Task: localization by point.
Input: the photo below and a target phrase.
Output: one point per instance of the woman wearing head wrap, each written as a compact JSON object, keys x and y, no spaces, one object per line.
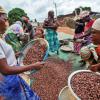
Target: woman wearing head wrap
{"x":91,"y":53}
{"x":87,"y":29}
{"x":12,"y":36}
{"x":96,"y":41}
{"x":79,"y":29}
{"x":12,"y":86}
{"x":27,"y":26}
{"x":51,"y":35}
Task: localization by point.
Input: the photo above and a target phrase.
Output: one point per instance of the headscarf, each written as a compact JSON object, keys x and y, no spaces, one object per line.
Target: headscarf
{"x":16,"y":29}
{"x":84,"y":14}
{"x":2,"y":10}
{"x":19,"y":22}
{"x":87,"y":51}
{"x":3,"y":14}
{"x":96,"y":24}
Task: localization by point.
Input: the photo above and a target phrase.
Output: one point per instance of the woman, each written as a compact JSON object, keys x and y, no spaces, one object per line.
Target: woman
{"x":51,"y":35}
{"x":87,"y":29}
{"x":91,"y":53}
{"x":27,"y":26}
{"x":79,"y":29}
{"x":39,"y":33}
{"x":12,"y":36}
{"x":96,"y":41}
{"x":12,"y":86}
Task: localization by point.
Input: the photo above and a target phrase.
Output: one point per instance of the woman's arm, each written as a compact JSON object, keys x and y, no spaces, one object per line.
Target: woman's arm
{"x":17,"y":54}
{"x":95,"y":67}
{"x":82,"y":24}
{"x":49,"y":27}
{"x":88,"y":32}
{"x":47,"y":24}
{"x":8,"y":70}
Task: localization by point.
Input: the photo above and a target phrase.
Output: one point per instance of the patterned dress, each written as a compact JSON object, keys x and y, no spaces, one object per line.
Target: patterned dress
{"x":88,"y":38}
{"x":79,"y":29}
{"x":13,"y":87}
{"x":51,"y":37}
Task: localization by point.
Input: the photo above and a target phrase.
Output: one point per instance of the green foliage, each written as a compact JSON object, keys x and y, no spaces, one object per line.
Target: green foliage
{"x":86,"y":8}
{"x":15,"y":15}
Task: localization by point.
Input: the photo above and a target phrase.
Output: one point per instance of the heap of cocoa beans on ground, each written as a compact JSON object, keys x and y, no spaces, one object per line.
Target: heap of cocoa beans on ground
{"x":86,"y":85}
{"x":51,"y":78}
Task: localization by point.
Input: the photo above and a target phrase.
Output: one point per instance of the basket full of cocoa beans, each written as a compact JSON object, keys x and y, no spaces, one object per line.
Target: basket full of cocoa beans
{"x":36,"y":50}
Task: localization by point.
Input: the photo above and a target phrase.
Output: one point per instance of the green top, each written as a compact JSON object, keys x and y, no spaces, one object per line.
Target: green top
{"x":12,"y":39}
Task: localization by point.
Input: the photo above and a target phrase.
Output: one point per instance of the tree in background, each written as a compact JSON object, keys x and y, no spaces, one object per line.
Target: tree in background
{"x":86,"y":8}
{"x":15,"y":15}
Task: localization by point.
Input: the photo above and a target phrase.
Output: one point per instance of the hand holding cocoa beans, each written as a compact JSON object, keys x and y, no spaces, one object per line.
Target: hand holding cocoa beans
{"x":38,"y":65}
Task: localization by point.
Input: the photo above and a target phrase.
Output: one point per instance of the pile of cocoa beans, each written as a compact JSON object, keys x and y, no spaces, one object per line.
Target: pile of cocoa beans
{"x":51,"y":78}
{"x":35,"y":53}
{"x":86,"y":85}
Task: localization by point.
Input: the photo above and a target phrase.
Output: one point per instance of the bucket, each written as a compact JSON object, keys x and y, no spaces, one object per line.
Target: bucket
{"x":65,"y":94}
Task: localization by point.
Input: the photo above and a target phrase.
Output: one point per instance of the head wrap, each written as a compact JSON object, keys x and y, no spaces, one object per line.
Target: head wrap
{"x":85,"y":53}
{"x":19,"y":22}
{"x":84,"y":14}
{"x":96,"y":24}
{"x":2,"y":10}
{"x":25,"y":19}
{"x":16,"y":29}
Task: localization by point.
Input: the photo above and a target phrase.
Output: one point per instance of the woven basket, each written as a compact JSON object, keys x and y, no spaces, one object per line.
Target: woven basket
{"x":31,"y":44}
{"x":25,"y":50}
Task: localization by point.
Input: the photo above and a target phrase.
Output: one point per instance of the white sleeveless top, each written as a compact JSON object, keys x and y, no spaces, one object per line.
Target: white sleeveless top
{"x":7,"y":52}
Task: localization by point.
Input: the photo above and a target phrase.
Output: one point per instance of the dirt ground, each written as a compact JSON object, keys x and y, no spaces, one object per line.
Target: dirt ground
{"x":66,"y":30}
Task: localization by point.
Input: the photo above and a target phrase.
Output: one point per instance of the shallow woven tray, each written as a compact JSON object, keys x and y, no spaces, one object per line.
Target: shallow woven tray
{"x":29,"y":45}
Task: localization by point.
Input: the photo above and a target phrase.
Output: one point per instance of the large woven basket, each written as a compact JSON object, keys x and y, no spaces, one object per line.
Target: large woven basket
{"x":29,"y":45}
{"x":25,"y":50}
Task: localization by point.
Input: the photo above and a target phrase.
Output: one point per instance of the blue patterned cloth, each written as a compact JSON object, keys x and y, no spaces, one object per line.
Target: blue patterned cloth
{"x":51,"y":37}
{"x":13,"y":87}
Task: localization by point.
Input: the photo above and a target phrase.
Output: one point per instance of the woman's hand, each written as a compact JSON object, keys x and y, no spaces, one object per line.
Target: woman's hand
{"x":38,"y":65}
{"x":93,"y":68}
{"x":5,"y":69}
{"x":75,"y":39}
{"x":81,"y":37}
{"x":18,"y":54}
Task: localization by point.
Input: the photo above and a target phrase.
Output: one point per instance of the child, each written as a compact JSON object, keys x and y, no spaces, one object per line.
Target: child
{"x":39,"y":33}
